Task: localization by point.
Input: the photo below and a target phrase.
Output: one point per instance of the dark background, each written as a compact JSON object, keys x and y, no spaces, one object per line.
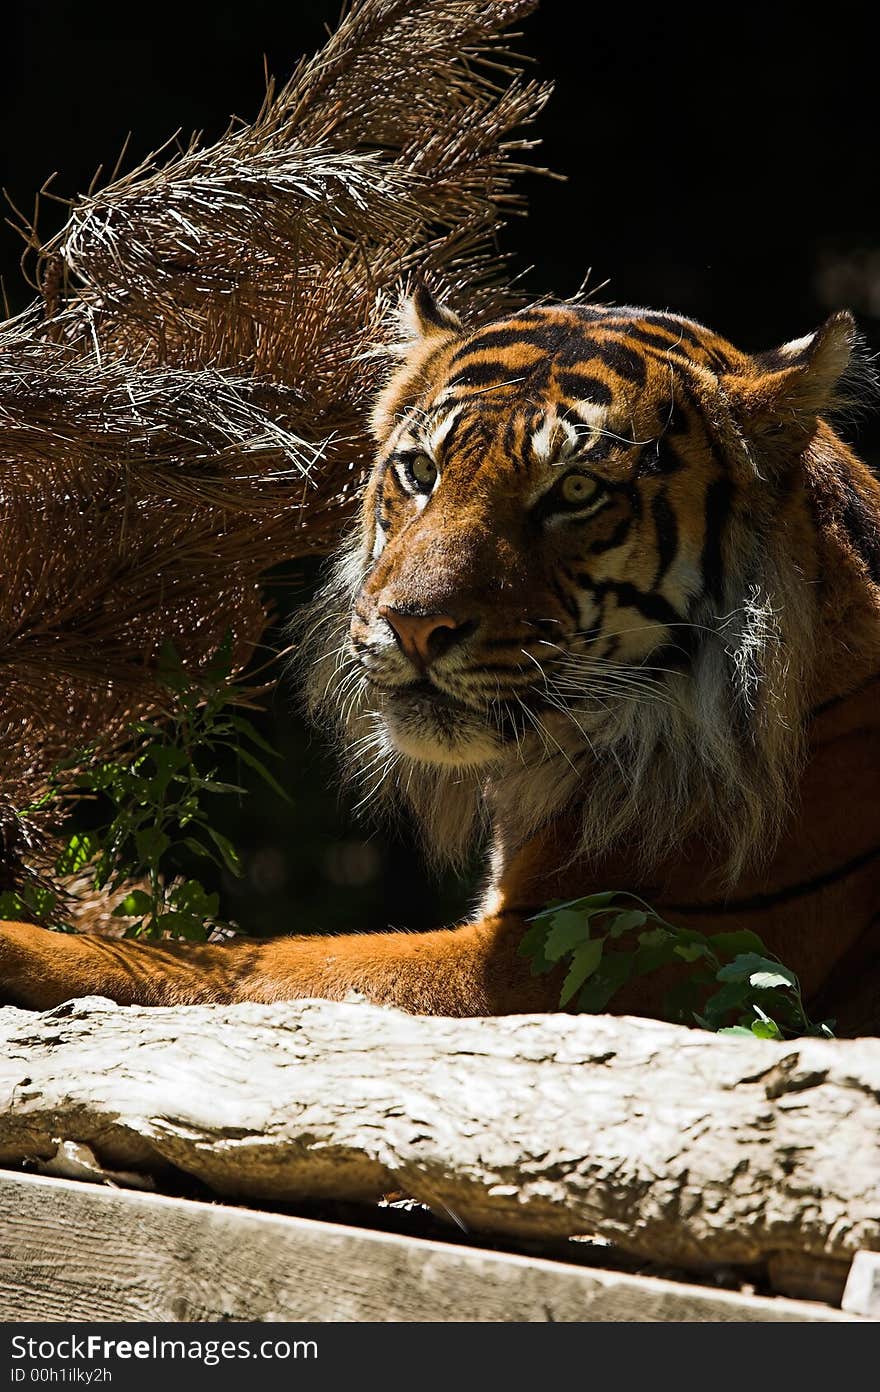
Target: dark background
{"x":723,"y":167}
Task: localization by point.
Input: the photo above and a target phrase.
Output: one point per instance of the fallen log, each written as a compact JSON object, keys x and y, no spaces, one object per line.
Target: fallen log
{"x":677,"y":1145}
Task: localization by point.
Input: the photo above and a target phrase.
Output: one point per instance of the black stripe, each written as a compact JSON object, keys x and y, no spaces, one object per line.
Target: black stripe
{"x":656,"y":340}
{"x":685,"y":340}
{"x":469,"y":432}
{"x":688,"y":333}
{"x":680,"y":363}
{"x":505,"y":336}
{"x":649,"y":605}
{"x":779,"y":896}
{"x":717,"y":511}
{"x":582,"y":385}
{"x":633,"y":495}
{"x":659,"y":457}
{"x":666,"y":524}
{"x":862,"y":527}
{"x":568,"y":602}
{"x":626,"y":362}
{"x":486,"y":374}
{"x":617,"y":538}
{"x":509,"y":442}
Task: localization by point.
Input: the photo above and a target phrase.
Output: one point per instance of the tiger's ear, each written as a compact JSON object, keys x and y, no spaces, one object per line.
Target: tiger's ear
{"x":426,"y":326}
{"x":794,"y":384}
{"x":422,"y":316}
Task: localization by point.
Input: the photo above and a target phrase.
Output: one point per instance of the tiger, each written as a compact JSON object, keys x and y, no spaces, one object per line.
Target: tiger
{"x":611,"y":609}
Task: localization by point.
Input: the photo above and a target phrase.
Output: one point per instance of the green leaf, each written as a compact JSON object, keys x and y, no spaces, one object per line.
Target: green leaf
{"x":568,"y":929}
{"x":613,"y":972}
{"x":691,"y":935}
{"x":766,"y":980}
{"x":168,"y":762}
{"x":551,"y":908}
{"x":732,"y":944}
{"x":253,"y":762}
{"x":151,"y":844}
{"x":171,"y":670}
{"x":747,"y":963}
{"x":80,"y":849}
{"x":655,"y":937}
{"x":736,"y":1029}
{"x":625,"y":922}
{"x":134,"y":905}
{"x":585,"y":961}
{"x":182,"y":925}
{"x":651,"y":956}
{"x":250,"y":732}
{"x":733,"y":995}
{"x":691,"y":952}
{"x":766,"y":1029}
{"x":591,"y":902}
{"x":230,"y":855}
{"x":192,"y":897}
{"x":532,"y":945}
{"x":209,"y":785}
{"x":41,"y":900}
{"x":198,"y":849}
{"x":681,"y":1000}
{"x":166,"y":756}
{"x":586,"y":905}
{"x":12,"y":906}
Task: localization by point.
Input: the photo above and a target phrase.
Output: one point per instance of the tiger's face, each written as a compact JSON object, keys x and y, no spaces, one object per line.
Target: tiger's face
{"x":552,"y":519}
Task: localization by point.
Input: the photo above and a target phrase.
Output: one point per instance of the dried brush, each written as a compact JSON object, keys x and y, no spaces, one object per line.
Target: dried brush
{"x":186,"y":405}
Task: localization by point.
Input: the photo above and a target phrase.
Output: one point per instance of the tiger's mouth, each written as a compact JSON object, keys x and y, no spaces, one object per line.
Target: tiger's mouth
{"x":426,"y":691}
{"x":432,"y":726}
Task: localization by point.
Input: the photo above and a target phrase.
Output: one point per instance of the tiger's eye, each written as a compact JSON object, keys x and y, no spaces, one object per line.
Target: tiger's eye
{"x":423,"y":472}
{"x":576,"y":488}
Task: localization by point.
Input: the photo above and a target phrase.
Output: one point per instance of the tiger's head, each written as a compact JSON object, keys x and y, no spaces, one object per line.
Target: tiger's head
{"x":584,"y":570}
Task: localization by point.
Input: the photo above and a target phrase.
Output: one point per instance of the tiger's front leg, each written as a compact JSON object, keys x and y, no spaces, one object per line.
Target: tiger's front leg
{"x":471,"y":970}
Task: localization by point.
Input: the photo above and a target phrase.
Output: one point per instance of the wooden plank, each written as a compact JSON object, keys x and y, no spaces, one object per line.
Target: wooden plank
{"x":862,"y":1293}
{"x":73,"y":1251}
{"x":680,"y":1147}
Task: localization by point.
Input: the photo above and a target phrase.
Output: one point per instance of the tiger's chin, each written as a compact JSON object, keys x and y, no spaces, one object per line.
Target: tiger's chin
{"x":432,"y":731}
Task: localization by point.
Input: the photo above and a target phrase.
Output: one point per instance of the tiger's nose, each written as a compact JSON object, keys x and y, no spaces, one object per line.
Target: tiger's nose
{"x":424,"y":637}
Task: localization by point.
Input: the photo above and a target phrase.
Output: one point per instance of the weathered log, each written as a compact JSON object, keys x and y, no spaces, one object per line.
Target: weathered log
{"x":677,"y":1145}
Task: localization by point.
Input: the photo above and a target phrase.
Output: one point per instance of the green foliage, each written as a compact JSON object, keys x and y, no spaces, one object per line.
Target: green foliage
{"x":154,"y":797}
{"x":32,"y":901}
{"x":613,"y":937}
